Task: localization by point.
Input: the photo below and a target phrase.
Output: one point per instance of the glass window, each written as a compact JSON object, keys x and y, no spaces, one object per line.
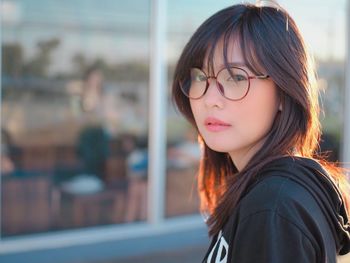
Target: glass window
{"x":74,"y":114}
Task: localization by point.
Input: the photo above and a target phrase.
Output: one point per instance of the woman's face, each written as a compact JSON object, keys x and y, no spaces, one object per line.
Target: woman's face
{"x":236,"y":127}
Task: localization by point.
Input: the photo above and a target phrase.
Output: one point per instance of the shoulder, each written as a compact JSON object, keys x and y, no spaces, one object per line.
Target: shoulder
{"x":286,"y":186}
{"x":272,"y":192}
{"x":284,"y":202}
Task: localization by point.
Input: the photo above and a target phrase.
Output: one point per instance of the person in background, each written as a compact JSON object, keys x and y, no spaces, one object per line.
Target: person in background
{"x":247,"y":84}
{"x":137,"y":173}
{"x":186,"y":153}
{"x":8,"y":150}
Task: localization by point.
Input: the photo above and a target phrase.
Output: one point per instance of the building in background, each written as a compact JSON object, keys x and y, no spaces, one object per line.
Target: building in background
{"x":95,"y":161}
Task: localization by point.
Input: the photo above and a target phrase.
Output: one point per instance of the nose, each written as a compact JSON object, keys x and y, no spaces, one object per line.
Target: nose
{"x":213,"y":97}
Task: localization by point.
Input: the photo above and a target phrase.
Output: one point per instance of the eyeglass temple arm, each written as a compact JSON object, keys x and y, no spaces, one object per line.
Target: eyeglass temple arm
{"x":259,"y":77}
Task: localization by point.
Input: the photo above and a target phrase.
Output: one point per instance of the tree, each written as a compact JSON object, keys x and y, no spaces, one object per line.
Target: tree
{"x":12,"y":60}
{"x":38,"y":66}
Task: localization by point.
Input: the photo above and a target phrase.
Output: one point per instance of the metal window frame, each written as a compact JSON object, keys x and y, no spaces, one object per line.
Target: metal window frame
{"x":93,"y":235}
{"x":157,"y":113}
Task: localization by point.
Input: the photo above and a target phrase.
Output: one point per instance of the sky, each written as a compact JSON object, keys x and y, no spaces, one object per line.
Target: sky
{"x":118,"y":30}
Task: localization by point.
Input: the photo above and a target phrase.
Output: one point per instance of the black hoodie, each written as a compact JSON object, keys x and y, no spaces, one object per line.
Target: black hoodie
{"x":293,"y":212}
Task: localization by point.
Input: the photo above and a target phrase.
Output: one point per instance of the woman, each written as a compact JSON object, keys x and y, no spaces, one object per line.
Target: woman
{"x":246,"y":82}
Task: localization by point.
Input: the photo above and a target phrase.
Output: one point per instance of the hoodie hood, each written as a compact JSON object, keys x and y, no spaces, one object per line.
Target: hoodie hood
{"x":311,"y":175}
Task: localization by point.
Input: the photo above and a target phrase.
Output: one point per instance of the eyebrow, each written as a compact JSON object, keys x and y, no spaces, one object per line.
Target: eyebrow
{"x":236,"y":64}
{"x":231,"y":64}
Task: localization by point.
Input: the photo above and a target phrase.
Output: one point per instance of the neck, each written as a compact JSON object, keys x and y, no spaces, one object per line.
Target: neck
{"x":241,"y":157}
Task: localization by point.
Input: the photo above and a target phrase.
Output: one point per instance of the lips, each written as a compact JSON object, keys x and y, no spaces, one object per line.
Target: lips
{"x":215,"y":125}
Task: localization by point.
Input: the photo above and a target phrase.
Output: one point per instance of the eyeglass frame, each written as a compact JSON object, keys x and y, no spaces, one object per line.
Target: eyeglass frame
{"x":249,"y":77}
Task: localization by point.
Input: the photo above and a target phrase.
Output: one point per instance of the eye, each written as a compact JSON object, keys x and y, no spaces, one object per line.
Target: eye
{"x":198,"y":76}
{"x":237,"y":77}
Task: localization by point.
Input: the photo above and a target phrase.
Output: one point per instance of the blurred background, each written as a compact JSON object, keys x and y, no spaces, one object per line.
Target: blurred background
{"x":96,"y":164}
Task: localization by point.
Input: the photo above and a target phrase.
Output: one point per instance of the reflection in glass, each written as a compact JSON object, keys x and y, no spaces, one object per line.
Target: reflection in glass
{"x":182,"y":168}
{"x":74,"y":108}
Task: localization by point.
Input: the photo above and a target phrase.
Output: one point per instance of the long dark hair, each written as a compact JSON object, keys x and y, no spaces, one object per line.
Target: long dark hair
{"x":270,"y":42}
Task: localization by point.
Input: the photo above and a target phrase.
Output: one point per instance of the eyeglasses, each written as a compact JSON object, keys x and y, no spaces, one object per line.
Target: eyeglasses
{"x":233,"y":83}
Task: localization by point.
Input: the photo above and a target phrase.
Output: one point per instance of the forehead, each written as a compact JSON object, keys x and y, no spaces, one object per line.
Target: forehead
{"x":228,"y":51}
{"x":221,"y":54}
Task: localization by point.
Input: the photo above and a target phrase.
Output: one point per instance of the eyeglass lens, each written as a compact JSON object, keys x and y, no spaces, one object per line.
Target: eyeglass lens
{"x":233,"y":83}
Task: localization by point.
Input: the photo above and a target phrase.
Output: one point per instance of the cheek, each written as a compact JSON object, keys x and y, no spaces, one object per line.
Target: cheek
{"x":259,"y":110}
{"x":195,"y":107}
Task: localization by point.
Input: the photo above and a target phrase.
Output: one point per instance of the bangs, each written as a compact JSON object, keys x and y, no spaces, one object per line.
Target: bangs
{"x":234,"y":35}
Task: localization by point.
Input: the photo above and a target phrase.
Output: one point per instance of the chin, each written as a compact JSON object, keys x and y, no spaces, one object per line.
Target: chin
{"x":219,"y":147}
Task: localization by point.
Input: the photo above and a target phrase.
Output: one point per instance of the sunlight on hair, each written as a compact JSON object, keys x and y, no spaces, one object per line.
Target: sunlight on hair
{"x":272,"y":4}
{"x":267,"y":3}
